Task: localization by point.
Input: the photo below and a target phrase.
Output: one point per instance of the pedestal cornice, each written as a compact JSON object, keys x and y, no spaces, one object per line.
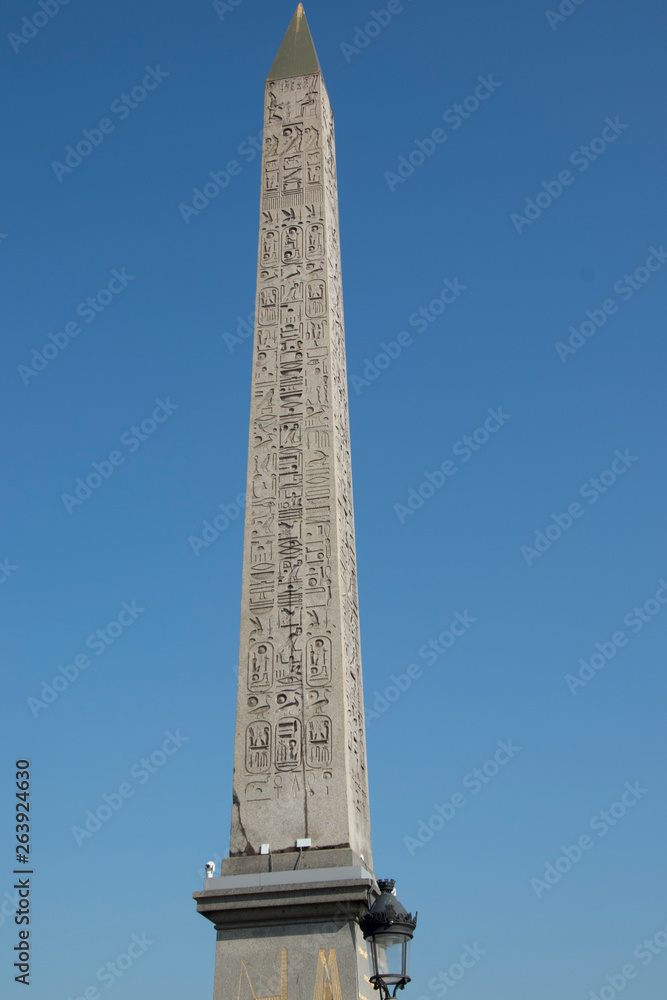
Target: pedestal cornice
{"x":287,"y":897}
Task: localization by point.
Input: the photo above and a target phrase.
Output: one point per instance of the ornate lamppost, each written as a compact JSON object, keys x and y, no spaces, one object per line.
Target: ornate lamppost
{"x":388,"y":928}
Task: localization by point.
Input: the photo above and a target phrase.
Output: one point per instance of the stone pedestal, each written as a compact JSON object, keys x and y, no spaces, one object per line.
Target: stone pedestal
{"x":290,"y":934}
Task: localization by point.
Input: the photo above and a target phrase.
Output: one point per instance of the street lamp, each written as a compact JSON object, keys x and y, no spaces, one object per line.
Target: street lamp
{"x":388,"y":928}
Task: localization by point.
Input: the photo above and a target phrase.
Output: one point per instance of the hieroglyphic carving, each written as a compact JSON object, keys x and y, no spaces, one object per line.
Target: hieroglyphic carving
{"x":246,"y":987}
{"x":258,"y":747}
{"x":288,"y":744}
{"x":316,"y":301}
{"x":315,"y":242}
{"x":258,"y":790}
{"x":260,"y":666}
{"x":253,"y":983}
{"x":268,"y":305}
{"x":318,"y":661}
{"x":292,"y":252}
{"x":300,"y":639}
{"x":318,"y":741}
{"x":327,"y":981}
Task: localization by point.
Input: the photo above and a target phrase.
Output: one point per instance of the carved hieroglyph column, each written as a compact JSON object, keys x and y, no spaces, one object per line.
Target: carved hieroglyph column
{"x":300,"y":757}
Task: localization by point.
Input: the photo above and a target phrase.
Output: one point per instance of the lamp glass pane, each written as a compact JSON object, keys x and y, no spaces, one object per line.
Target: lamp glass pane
{"x":406,"y":956}
{"x":388,"y":954}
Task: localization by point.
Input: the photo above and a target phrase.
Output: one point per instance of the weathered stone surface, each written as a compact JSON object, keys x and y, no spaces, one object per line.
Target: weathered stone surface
{"x":300,"y":757}
{"x":305,"y":961}
{"x":290,"y":861}
{"x":291,"y":935}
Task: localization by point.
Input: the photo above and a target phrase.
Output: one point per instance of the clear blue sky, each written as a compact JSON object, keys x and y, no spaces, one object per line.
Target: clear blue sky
{"x":567,"y":127}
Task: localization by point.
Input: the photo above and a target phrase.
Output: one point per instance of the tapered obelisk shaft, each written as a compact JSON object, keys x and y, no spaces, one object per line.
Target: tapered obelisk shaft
{"x":300,"y":757}
{"x":287,"y":923}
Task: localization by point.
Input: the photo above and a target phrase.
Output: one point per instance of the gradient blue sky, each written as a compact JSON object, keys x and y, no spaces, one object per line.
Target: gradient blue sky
{"x":162,"y":338}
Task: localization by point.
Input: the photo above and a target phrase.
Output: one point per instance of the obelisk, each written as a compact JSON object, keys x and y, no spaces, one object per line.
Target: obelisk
{"x":299,"y":875}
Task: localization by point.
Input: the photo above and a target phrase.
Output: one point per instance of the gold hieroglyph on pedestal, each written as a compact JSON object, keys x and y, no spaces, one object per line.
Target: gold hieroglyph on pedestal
{"x":327,"y":980}
{"x":245,"y":978}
